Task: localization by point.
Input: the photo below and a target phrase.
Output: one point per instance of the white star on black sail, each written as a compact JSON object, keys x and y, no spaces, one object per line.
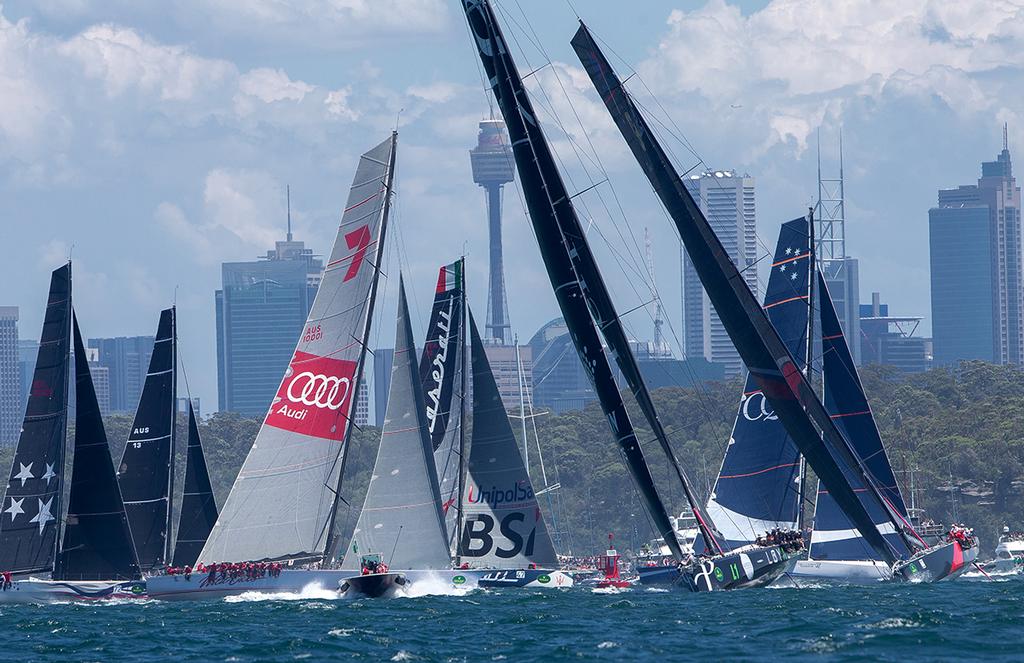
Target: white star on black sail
{"x":789,"y":251}
{"x":44,"y":516}
{"x":793,"y":276}
{"x":50,"y":474}
{"x":15,"y":508}
{"x":24,"y":474}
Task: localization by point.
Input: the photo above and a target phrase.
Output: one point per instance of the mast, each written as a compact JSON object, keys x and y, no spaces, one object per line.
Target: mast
{"x":564,"y":250}
{"x":168,"y":550}
{"x":463,"y":366}
{"x":364,"y":339}
{"x":759,"y":345}
{"x":812,"y":270}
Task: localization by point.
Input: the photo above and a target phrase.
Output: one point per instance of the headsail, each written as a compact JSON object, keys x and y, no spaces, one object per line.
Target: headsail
{"x":758,"y":486}
{"x":502,"y":523}
{"x":97,"y":544}
{"x":146,"y":472}
{"x":402,"y":510}
{"x":834,"y":536}
{"x":759,"y":345}
{"x":31,"y":509}
{"x":198,"y":506}
{"x":442,"y":380}
{"x":549,"y":203}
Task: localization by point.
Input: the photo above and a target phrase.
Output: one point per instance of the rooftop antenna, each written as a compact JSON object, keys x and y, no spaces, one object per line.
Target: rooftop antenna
{"x":658,"y":313}
{"x":288,"y":193}
{"x":1006,"y":143}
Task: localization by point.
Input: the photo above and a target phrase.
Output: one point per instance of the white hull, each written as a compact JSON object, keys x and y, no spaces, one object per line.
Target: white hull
{"x":36,"y":590}
{"x":327,"y":583}
{"x":854,"y":571}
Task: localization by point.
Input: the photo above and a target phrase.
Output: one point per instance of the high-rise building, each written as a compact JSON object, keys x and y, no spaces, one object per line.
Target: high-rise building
{"x":362,"y":414}
{"x":261,"y":309}
{"x":197,"y":406}
{"x":126,"y":359}
{"x":383,"y":360}
{"x":559,"y":382}
{"x":505,"y":366}
{"x":727,"y":200}
{"x":841,"y":272}
{"x":27,"y":352}
{"x":889,"y":339}
{"x":100,"y":380}
{"x":976,"y":270}
{"x":11,"y":409}
{"x":493,"y":168}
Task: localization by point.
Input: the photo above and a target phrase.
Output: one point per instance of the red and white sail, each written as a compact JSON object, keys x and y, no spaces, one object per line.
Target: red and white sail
{"x":282,"y":504}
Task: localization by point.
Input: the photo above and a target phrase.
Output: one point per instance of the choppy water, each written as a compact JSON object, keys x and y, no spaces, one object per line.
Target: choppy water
{"x":952,"y":621}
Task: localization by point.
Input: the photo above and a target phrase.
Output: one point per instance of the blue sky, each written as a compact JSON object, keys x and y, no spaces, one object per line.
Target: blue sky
{"x":157,"y":138}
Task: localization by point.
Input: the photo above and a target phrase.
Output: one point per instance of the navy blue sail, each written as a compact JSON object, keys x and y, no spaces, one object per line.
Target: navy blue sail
{"x":97,"y":544}
{"x":834,"y":536}
{"x":758,"y":487}
{"x":30,"y":515}
{"x":146,"y":472}
{"x":198,"y":507}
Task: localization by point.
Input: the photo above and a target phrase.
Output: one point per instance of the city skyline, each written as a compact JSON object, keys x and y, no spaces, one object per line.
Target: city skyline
{"x":231,"y":124}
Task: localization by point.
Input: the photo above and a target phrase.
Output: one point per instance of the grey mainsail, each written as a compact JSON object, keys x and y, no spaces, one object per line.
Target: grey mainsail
{"x":502,"y":522}
{"x":282,"y":503}
{"x":402,"y":510}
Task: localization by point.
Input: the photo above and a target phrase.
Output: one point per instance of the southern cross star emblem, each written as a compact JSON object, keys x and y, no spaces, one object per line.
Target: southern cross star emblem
{"x":49,"y":474}
{"x":44,"y":516}
{"x":789,"y":251}
{"x":782,"y":268}
{"x":15,"y":508}
{"x":24,"y":474}
{"x":793,"y":276}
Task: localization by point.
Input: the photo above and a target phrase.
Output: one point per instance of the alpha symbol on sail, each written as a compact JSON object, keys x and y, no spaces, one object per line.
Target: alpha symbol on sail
{"x":314,"y":397}
{"x":762,"y":413}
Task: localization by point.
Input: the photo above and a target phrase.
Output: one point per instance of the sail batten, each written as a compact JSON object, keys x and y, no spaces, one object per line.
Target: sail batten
{"x":548,"y":204}
{"x":402,"y":510}
{"x":30,"y":511}
{"x":282,"y":504}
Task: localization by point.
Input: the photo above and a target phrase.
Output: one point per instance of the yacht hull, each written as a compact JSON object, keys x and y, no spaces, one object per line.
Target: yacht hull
{"x":753,"y":567}
{"x":35,"y":590}
{"x":849,"y":571}
{"x":942,"y":562}
{"x":372,"y":585}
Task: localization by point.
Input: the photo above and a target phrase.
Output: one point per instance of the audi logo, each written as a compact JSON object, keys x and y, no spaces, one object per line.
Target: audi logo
{"x":319,"y":390}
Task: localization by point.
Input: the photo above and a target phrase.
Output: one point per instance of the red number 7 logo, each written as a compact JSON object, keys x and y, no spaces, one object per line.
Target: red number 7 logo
{"x":358,"y":239}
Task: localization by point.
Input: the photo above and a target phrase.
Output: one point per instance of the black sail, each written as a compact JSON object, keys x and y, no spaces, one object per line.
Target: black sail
{"x":550,"y":211}
{"x":198,"y":506}
{"x":146,"y":472}
{"x":31,"y":506}
{"x":759,"y":345}
{"x":97,"y":544}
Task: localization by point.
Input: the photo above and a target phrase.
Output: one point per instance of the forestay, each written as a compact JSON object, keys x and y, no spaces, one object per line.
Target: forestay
{"x":282,"y":502}
{"x":834,"y":536}
{"x":758,"y":486}
{"x":146,"y":472}
{"x":401,"y":516}
{"x":503,"y":525}
{"x":442,"y":381}
{"x":32,"y":504}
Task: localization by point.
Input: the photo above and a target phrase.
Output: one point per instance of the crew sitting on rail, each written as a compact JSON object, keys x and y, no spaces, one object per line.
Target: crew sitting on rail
{"x":963,"y":535}
{"x":7,"y":582}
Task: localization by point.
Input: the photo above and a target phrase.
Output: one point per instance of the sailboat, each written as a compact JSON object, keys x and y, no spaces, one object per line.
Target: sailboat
{"x":147,"y":469}
{"x":85,"y":549}
{"x":587,"y":306}
{"x":776,"y":372}
{"x":401,"y":526}
{"x":283,"y":505}
{"x":837,"y":549}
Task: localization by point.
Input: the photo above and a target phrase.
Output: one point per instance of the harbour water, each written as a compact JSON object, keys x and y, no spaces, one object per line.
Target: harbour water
{"x":949,"y":621}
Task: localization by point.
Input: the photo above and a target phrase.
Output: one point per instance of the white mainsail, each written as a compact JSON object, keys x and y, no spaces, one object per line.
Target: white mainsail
{"x":401,"y":516}
{"x":282,"y":502}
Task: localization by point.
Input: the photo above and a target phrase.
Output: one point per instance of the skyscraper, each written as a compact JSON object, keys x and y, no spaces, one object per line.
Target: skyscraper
{"x":727,"y":200}
{"x":11,"y":411}
{"x":261,"y":309}
{"x":126,"y":360}
{"x":493,"y":168}
{"x":975,"y":245}
{"x":100,"y":380}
